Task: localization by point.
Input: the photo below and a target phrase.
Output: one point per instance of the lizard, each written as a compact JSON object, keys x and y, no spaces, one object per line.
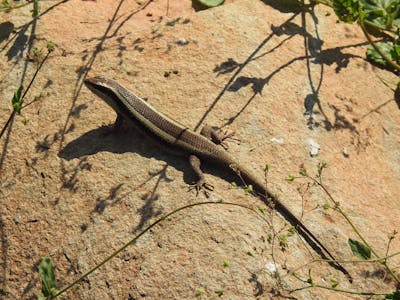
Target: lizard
{"x":198,"y":147}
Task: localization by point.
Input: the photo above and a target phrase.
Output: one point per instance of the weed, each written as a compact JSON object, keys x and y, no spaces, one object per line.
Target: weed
{"x":361,"y":249}
{"x":379,"y":17}
{"x":48,"y":276}
{"x":18,"y":99}
{"x":7,"y":5}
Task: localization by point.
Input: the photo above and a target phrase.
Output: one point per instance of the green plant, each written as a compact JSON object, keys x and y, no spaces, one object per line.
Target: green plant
{"x":361,"y":249}
{"x":283,"y":241}
{"x":377,"y":17}
{"x":226,"y":263}
{"x":18,"y":98}
{"x":210,"y":3}
{"x":198,"y":292}
{"x":48,"y":276}
{"x":8,"y":5}
{"x":249,"y":253}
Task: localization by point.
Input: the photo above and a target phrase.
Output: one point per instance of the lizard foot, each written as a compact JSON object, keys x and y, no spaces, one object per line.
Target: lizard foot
{"x":201,"y":185}
{"x":217,"y":136}
{"x":225,"y":136}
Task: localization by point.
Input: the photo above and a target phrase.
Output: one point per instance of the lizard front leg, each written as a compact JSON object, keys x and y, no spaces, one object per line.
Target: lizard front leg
{"x":118,"y":126}
{"x":216,"y":135}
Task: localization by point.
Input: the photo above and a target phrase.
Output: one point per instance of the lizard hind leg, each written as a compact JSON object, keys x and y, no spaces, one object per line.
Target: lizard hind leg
{"x":217,"y":136}
{"x":201,"y":183}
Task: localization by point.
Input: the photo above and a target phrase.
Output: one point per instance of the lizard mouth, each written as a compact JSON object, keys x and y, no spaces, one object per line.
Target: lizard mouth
{"x":99,"y":86}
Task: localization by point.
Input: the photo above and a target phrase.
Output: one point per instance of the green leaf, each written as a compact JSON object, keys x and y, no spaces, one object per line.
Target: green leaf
{"x":5,"y":4}
{"x":248,"y":189}
{"x":291,"y":230}
{"x":326,"y":206}
{"x":396,"y":49}
{"x":394,"y":296}
{"x":17,"y":100}
{"x":283,"y":242}
{"x":51,"y":46}
{"x":303,"y":171}
{"x":219,"y":292}
{"x":211,"y":3}
{"x":396,"y":22}
{"x":381,"y":12}
{"x":46,"y":271}
{"x":290,"y":177}
{"x":270,"y":238}
{"x":347,"y":10}
{"x":359,"y":249}
{"x":321,"y":166}
{"x":36,"y":9}
{"x":386,"y":48}
{"x":334,"y":282}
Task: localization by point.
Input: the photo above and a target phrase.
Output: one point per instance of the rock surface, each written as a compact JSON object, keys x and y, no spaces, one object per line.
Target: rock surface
{"x":279,"y":78}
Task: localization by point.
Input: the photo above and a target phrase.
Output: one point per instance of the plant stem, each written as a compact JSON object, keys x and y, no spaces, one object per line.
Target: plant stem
{"x":384,"y":56}
{"x":336,"y":289}
{"x":142,"y":233}
{"x":337,"y":207}
{"x":36,"y":72}
{"x":377,"y":260}
{"x":24,"y":94}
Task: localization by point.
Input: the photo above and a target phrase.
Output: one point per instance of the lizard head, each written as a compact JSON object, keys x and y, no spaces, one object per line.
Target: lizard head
{"x":106,"y":89}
